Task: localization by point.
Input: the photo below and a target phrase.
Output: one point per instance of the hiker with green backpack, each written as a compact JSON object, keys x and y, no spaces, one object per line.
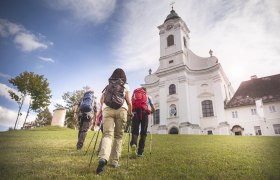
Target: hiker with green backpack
{"x":116,"y":104}
{"x":140,"y":103}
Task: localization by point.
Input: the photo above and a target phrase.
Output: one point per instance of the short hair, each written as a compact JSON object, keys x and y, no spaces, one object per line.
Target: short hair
{"x":145,"y":89}
{"x":119,"y":74}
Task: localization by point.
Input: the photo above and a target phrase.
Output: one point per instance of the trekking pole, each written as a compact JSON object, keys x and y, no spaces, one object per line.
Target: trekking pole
{"x":90,"y":143}
{"x":128,"y":146}
{"x":151,"y":133}
{"x":94,"y":145}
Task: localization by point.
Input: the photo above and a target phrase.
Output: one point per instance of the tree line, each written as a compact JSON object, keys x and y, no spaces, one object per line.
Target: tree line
{"x":35,"y":89}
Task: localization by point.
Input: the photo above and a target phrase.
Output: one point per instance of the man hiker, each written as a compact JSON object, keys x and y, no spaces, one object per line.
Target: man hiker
{"x":86,"y":111}
{"x":140,"y":103}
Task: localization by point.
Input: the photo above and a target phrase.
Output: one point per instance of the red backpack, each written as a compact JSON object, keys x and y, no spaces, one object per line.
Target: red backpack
{"x":139,"y":99}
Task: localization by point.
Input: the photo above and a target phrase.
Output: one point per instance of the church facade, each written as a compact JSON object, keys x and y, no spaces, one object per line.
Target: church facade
{"x":192,"y":94}
{"x":189,"y":91}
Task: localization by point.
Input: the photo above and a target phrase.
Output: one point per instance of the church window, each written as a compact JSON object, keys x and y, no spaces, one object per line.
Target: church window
{"x":276,"y":128}
{"x":272,"y":109}
{"x":253,"y":111}
{"x":170,"y":40}
{"x":207,"y":108}
{"x":156,"y":117}
{"x":172,"y":110}
{"x":172,"y":89}
{"x":171,"y":61}
{"x":185,"y":42}
{"x":234,"y":114}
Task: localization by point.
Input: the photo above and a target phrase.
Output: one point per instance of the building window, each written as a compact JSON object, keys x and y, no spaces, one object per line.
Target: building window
{"x":234,"y":114}
{"x":185,"y":42}
{"x":276,"y":128}
{"x":207,"y":108}
{"x":272,"y":109}
{"x":253,"y":111}
{"x":156,"y":117}
{"x":172,"y":110}
{"x":258,"y":130}
{"x":170,"y":40}
{"x":171,"y":61}
{"x":172,"y":89}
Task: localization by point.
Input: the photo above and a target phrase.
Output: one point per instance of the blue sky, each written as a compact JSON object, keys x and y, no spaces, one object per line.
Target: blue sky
{"x":79,"y":43}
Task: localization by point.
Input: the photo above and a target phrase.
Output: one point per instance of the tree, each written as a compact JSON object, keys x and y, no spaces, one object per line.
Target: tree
{"x":43,"y":118}
{"x":72,"y":100}
{"x":34,"y":85}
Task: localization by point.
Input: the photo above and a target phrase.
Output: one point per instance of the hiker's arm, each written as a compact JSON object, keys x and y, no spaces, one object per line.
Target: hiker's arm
{"x":102,"y":100}
{"x":128,"y":101}
{"x":151,"y":104}
{"x":153,"y":108}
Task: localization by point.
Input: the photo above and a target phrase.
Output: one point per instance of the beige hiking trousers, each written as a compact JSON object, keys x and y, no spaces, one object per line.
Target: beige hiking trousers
{"x":113,"y":125}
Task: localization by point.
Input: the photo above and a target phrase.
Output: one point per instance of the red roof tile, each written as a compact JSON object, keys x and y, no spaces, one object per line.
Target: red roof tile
{"x":267,"y":88}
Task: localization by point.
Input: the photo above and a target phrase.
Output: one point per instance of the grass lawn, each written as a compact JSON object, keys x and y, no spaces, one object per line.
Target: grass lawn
{"x":49,"y":153}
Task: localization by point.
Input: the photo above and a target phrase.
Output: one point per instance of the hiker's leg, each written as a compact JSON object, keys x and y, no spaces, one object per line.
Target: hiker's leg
{"x":143,"y":133}
{"x":108,"y":130}
{"x":82,"y":133}
{"x":120,"y":121}
{"x":135,"y":129}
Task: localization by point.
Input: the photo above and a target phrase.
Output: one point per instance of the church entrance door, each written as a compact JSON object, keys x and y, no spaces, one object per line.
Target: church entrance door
{"x":174,"y":130}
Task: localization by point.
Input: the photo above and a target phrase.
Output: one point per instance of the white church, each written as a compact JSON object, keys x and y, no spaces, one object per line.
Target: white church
{"x":192,"y":94}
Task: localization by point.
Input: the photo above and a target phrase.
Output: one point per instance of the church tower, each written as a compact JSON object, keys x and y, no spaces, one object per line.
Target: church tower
{"x":189,"y":91}
{"x":174,"y":38}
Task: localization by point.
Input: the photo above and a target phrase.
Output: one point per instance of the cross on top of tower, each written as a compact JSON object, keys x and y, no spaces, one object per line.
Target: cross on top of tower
{"x":171,"y":4}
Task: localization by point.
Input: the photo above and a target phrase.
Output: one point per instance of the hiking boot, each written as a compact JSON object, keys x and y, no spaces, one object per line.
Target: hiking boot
{"x":134,"y":151}
{"x":116,"y":165}
{"x":140,"y":155}
{"x":101,"y":166}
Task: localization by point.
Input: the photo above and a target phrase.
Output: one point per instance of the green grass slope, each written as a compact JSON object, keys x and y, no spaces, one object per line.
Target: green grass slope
{"x":49,"y":153}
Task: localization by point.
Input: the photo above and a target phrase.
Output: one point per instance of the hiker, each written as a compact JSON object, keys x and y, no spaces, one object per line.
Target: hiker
{"x":86,"y":113}
{"x":140,"y":102}
{"x":116,"y":104}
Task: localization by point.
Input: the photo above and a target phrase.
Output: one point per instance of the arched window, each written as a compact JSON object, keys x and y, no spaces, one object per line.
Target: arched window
{"x":185,"y":42}
{"x":170,"y":40}
{"x":172,"y":89}
{"x":207,"y":108}
{"x":172,"y":110}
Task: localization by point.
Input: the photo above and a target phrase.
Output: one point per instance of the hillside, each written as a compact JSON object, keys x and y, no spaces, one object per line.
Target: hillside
{"x":49,"y":153}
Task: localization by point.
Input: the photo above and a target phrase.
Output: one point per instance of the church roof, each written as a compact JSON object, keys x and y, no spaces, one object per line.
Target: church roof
{"x":200,"y":63}
{"x":172,"y":15}
{"x":265,"y":88}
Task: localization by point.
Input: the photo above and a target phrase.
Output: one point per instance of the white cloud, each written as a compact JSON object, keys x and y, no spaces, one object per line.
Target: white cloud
{"x":244,"y":35}
{"x":8,"y":118}
{"x":4,"y":91}
{"x":24,"y":39}
{"x":46,"y":59}
{"x":95,"y":11}
{"x":6,"y":76}
{"x":28,"y":42}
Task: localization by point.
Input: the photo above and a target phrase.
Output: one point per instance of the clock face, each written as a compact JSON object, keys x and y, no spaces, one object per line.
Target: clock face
{"x":169,"y":27}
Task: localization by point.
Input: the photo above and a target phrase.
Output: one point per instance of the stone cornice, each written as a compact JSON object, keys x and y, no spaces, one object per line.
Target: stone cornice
{"x":171,"y":55}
